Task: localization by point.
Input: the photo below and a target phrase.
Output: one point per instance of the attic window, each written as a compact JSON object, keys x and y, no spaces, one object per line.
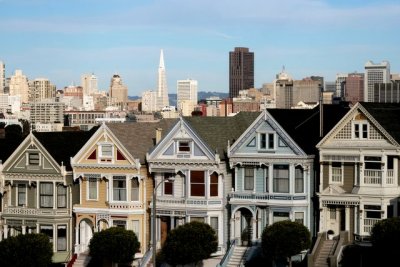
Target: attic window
{"x":184,"y":147}
{"x":266,"y":141}
{"x":33,"y":159}
{"x":360,"y":130}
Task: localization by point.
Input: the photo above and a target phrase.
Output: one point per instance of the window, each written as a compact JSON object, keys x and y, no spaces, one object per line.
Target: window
{"x":135,"y":189}
{"x":61,"y":238}
{"x":214,"y":184}
{"x":214,"y":224}
{"x":281,"y":178}
{"x":33,"y":159}
{"x":184,"y":147}
{"x":267,"y":179}
{"x":119,"y":188}
{"x":61,"y":196}
{"x":337,"y":172}
{"x":136,"y":228}
{"x":248,"y":178}
{"x":267,"y":141}
{"x":106,"y":151}
{"x":299,"y":180}
{"x":46,"y":195}
{"x":21,"y":194}
{"x":197,"y":183}
{"x":372,"y":211}
{"x":47,"y":230}
{"x":119,"y":223}
{"x":299,"y":217}
{"x":92,"y":188}
{"x":280,"y":216}
{"x":197,"y":219}
{"x":168,"y":184}
{"x":360,"y":130}
{"x":372,"y":163}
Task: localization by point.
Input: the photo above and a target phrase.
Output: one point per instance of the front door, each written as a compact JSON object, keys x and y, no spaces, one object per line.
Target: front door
{"x":334,"y":219}
{"x":165,"y":228}
{"x":85,"y":234}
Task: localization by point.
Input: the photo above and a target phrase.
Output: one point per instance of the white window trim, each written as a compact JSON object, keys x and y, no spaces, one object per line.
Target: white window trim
{"x":330,"y":174}
{"x":360,"y":128}
{"x":266,"y":141}
{"x":112,"y":188}
{"x":97,"y":190}
{"x":130,"y":189}
{"x":103,"y":157}
{"x":254,"y":180}
{"x":190,"y":144}
{"x":17,"y":195}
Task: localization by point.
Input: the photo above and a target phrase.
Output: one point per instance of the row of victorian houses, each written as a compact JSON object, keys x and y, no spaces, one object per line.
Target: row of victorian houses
{"x":331,"y":168}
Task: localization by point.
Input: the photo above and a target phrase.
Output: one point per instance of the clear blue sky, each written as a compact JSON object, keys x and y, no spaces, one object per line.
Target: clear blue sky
{"x":61,"y":39}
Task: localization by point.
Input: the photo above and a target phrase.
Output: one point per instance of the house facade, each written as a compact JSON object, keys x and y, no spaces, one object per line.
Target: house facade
{"x":359,"y":170}
{"x":37,"y":190}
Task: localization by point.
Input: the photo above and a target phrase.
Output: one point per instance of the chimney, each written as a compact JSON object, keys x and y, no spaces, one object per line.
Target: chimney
{"x":158,"y":134}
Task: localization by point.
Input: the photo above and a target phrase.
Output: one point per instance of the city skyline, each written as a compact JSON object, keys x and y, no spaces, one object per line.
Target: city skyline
{"x":63,"y":40}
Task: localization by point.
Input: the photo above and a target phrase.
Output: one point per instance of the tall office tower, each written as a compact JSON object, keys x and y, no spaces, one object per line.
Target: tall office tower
{"x":375,"y":73}
{"x":186,"y":94}
{"x":340,"y":80}
{"x":162,"y":89}
{"x":354,"y":88}
{"x":118,"y":91}
{"x":2,"y":76}
{"x":19,"y":86}
{"x":41,"y":89}
{"x":149,"y":101}
{"x":241,"y":70}
{"x":283,"y":90}
{"x":387,"y":92}
{"x":89,"y":84}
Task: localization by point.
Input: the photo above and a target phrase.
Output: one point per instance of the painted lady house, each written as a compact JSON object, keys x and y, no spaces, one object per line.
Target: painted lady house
{"x":38,"y":188}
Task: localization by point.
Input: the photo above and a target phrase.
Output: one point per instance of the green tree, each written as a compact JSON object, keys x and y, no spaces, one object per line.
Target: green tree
{"x":284,"y":239}
{"x":385,"y":238}
{"x":33,"y":250}
{"x":114,"y":244}
{"x":189,"y":243}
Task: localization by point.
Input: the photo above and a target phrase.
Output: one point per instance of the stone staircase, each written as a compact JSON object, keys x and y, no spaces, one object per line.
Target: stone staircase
{"x":82,"y":260}
{"x":237,"y":256}
{"x":326,"y":249}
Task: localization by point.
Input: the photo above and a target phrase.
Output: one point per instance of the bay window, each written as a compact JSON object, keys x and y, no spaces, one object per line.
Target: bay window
{"x":119,"y":188}
{"x":46,"y":195}
{"x":281,"y":179}
{"x":197,"y":183}
{"x":214,"y":184}
{"x":135,"y":189}
{"x":61,"y":196}
{"x":248,"y":178}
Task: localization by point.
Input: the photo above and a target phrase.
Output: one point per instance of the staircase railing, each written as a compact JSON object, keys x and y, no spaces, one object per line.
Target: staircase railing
{"x":224,"y":261}
{"x":146,"y":257}
{"x":315,"y":251}
{"x":335,"y":255}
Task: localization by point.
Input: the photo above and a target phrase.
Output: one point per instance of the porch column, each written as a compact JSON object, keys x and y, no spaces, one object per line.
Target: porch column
{"x":232,"y":225}
{"x":5,"y":227}
{"x":361,"y":220}
{"x":395,"y":170}
{"x":172,"y":221}
{"x":77,"y":239}
{"x":23,"y":229}
{"x":254,"y":225}
{"x":347,"y":215}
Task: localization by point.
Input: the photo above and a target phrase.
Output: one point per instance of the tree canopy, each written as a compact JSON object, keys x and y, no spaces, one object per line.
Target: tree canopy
{"x":114,"y":244}
{"x":33,"y":250}
{"x":284,"y":239}
{"x":189,"y":243}
{"x":385,"y":237}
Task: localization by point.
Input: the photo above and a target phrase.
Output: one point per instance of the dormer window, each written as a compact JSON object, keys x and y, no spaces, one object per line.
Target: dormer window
{"x":360,"y":130}
{"x":266,"y":141}
{"x":33,"y":158}
{"x":183,"y":146}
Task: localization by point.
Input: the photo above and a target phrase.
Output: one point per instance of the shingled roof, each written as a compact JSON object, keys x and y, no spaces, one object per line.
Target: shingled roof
{"x":303,"y":125}
{"x":64,"y":145}
{"x":139,"y":137}
{"x":217,"y":131}
{"x":387,"y":115}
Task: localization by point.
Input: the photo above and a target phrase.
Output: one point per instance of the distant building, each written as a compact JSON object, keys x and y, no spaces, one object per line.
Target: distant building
{"x":149,"y":101}
{"x":375,"y":73}
{"x":241,"y":70}
{"x":85,"y":120}
{"x":49,"y":111}
{"x":186,"y":95}
{"x":162,"y":88}
{"x":89,"y":84}
{"x":118,"y":92}
{"x":330,"y":87}
{"x":387,"y":92}
{"x":340,"y":80}
{"x":41,"y":89}
{"x":73,"y":97}
{"x":19,"y":86}
{"x":354,"y":88}
{"x":2,"y":76}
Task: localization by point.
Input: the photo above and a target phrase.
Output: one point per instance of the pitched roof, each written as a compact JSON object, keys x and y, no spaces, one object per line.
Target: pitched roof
{"x":217,"y":131}
{"x":303,"y":125}
{"x":139,"y":137}
{"x":387,"y":115}
{"x":64,"y":145}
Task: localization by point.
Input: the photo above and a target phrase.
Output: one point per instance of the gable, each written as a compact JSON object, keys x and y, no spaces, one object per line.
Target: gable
{"x":358,"y":128}
{"x":105,"y":149}
{"x":182,"y":143}
{"x":31,"y":158}
{"x":265,"y":137}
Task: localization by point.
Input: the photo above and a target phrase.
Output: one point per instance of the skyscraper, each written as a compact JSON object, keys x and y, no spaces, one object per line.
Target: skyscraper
{"x":375,"y":73}
{"x":118,"y":91}
{"x":2,"y":76}
{"x":162,"y":89}
{"x":241,"y":70}
{"x":354,"y":88}
{"x":186,"y":93}
{"x":89,"y":84}
{"x":19,"y":86}
{"x":41,"y":89}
